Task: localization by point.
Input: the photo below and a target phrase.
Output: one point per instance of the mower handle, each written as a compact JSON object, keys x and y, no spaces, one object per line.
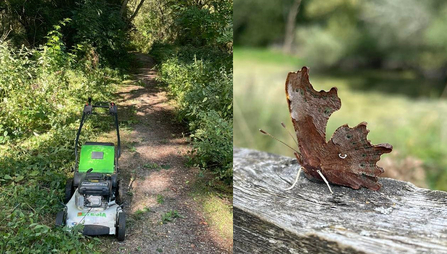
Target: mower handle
{"x":88,"y":110}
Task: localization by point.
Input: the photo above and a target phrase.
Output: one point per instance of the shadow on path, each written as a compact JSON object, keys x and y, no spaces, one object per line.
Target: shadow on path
{"x":155,"y":180}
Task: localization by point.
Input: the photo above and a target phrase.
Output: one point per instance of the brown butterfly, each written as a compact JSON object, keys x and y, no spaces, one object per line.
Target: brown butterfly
{"x":348,"y":158}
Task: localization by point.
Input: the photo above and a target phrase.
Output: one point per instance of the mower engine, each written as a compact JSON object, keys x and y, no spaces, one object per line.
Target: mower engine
{"x":93,"y":193}
{"x":95,"y":190}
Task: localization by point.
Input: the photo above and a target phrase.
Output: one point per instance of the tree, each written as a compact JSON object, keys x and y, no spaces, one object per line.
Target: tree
{"x":290,"y":26}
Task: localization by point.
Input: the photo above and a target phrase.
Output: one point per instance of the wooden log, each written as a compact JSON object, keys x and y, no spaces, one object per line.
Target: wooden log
{"x":399,"y":218}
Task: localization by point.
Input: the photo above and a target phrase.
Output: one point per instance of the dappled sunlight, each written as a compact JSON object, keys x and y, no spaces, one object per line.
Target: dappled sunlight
{"x":146,"y":189}
{"x":220,"y":217}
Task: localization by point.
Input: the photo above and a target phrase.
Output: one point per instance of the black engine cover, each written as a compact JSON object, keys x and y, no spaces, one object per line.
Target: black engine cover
{"x":95,"y":188}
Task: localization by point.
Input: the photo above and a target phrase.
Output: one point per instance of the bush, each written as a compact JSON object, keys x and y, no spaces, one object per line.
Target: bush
{"x":213,"y":144}
{"x":39,"y":89}
{"x":203,"y":92}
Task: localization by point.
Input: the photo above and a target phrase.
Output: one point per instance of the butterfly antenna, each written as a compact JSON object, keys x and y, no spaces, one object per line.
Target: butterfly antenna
{"x":290,"y":134}
{"x":324,"y":178}
{"x":296,"y":179}
{"x":266,"y":133}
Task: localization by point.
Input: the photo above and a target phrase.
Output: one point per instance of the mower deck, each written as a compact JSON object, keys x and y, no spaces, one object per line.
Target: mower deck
{"x":97,"y":221}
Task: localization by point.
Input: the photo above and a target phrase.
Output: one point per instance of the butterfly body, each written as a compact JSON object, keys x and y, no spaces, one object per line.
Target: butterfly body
{"x":348,"y":158}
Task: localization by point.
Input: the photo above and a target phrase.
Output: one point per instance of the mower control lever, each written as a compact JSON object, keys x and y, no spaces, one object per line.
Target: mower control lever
{"x":88,"y":109}
{"x":112,"y":108}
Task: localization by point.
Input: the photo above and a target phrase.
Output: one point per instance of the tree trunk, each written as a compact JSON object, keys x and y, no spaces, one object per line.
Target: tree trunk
{"x":124,"y":8}
{"x":136,"y":11}
{"x":290,"y":26}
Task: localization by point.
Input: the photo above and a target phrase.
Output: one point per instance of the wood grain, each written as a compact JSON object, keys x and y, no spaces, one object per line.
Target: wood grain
{"x":400,"y":218}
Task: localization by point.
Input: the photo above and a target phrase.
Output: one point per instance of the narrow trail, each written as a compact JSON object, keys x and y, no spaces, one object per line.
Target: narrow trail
{"x":154,"y":178}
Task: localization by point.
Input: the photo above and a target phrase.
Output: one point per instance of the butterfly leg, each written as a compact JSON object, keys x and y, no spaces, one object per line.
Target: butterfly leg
{"x":296,"y":179}
{"x":324,"y":178}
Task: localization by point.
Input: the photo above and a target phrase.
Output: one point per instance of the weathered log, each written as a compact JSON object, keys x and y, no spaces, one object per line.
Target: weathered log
{"x":399,"y":218}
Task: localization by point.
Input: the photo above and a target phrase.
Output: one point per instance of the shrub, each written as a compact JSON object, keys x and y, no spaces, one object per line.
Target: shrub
{"x":203,"y":92}
{"x":213,"y":144}
{"x":39,"y":89}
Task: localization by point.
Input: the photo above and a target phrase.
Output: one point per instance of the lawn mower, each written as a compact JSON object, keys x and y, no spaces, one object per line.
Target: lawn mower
{"x":92,"y":195}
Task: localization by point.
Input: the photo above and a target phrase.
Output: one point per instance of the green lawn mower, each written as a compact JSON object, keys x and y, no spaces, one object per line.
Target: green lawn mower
{"x":92,"y":196}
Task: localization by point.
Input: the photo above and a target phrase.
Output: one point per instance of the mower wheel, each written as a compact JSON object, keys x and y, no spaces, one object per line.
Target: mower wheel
{"x":121,"y":227}
{"x":69,"y":190}
{"x":60,"y":219}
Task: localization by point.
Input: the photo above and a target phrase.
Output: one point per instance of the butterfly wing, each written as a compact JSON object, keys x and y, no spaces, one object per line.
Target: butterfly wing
{"x":348,"y":159}
{"x":310,"y":111}
{"x":360,"y":158}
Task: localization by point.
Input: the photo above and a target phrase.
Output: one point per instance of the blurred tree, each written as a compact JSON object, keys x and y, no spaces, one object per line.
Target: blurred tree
{"x":258,"y":22}
{"x":290,"y":26}
{"x":124,"y":7}
{"x":397,"y":34}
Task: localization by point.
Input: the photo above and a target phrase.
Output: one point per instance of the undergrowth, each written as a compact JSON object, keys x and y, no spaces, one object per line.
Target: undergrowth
{"x":42,"y":92}
{"x":200,"y":81}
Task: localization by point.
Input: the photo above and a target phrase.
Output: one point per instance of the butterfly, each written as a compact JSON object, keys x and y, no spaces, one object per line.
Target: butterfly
{"x":348,"y":158}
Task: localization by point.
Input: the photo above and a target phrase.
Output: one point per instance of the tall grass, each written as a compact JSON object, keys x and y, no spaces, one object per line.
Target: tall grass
{"x":405,"y":115}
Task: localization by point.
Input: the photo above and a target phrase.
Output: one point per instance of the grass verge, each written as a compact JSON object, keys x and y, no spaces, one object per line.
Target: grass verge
{"x":216,"y":203}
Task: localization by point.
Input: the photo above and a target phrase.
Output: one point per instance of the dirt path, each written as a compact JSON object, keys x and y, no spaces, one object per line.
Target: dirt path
{"x":155,"y":180}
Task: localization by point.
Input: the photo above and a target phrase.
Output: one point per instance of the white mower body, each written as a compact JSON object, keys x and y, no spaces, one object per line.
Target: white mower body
{"x":92,"y":218}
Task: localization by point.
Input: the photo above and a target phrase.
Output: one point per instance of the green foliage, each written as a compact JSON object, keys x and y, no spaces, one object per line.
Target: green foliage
{"x":99,"y":27}
{"x":204,"y":95}
{"x":193,"y":46}
{"x":160,"y":199}
{"x":258,"y":22}
{"x":185,"y":23}
{"x":390,"y":34}
{"x":207,"y":24}
{"x":213,"y":144}
{"x":170,"y":216}
{"x":24,"y":228}
{"x":39,"y":88}
{"x":28,"y":22}
{"x":153,"y":26}
{"x":41,"y":95}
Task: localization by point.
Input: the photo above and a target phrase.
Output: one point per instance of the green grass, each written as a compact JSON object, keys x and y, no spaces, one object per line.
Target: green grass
{"x":151,"y":166}
{"x":399,"y":108}
{"x":215,"y":201}
{"x":139,"y":214}
{"x":170,"y":216}
{"x":160,"y":199}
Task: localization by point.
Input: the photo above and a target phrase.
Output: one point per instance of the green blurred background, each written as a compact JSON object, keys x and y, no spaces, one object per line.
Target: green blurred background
{"x":387,"y":58}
